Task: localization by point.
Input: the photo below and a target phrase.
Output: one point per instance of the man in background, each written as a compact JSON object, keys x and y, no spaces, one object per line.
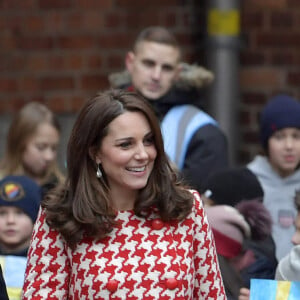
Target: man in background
{"x":192,"y":138}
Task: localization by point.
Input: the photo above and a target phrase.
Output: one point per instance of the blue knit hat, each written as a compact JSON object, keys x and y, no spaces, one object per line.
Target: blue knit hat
{"x":22,"y":192}
{"x":281,"y":111}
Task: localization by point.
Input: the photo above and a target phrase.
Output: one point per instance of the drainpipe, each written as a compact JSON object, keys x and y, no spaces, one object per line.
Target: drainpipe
{"x":222,"y":50}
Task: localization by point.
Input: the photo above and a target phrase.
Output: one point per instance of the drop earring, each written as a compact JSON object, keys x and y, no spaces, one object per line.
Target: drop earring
{"x":98,"y":173}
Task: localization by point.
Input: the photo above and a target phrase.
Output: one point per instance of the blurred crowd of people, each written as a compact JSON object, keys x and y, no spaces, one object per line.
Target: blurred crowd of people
{"x":149,"y":206}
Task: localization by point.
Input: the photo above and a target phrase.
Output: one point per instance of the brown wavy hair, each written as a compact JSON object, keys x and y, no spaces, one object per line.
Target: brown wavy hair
{"x":23,"y":126}
{"x":82,"y":207}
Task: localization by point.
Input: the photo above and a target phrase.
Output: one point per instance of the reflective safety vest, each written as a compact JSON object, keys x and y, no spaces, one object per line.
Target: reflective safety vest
{"x":178,"y":127}
{"x":13,"y":268}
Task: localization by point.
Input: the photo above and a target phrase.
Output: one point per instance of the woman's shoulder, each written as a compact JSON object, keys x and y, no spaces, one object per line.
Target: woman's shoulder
{"x":198,"y":205}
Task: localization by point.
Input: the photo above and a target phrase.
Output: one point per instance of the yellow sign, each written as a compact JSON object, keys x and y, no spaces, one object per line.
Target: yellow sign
{"x":223,"y":22}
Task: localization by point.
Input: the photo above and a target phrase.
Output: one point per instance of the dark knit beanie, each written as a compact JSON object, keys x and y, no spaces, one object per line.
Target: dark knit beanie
{"x":280,"y":112}
{"x":22,"y":192}
{"x":231,"y":186}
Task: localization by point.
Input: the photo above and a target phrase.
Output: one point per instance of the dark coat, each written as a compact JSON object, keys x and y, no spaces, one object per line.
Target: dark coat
{"x":3,"y":292}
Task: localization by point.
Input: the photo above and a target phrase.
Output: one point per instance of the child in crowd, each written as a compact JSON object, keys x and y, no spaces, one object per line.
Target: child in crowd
{"x":31,"y":146}
{"x":19,"y":204}
{"x":241,"y":226}
{"x":278,"y":170}
{"x":288,"y":267}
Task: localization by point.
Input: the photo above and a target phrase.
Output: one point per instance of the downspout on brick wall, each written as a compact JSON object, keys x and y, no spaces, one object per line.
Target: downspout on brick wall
{"x":222,"y":51}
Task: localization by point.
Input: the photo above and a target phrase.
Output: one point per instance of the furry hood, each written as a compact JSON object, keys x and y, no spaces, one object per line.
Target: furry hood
{"x":190,"y":77}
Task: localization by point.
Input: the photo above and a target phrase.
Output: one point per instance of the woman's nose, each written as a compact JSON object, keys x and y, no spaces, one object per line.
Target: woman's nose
{"x":141,"y":152}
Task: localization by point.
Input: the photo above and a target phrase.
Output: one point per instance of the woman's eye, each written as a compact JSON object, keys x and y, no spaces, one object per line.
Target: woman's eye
{"x":124,"y":144}
{"x":149,"y":141}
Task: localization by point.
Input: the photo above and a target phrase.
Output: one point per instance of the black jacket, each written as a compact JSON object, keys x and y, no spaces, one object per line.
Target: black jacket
{"x":3,"y":292}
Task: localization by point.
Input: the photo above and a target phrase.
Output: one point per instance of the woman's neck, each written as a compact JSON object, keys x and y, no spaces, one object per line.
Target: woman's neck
{"x":123,"y":200}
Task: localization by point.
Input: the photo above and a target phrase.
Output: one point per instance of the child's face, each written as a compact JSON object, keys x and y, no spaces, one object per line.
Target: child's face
{"x":296,"y":236}
{"x":41,"y":151}
{"x":15,"y":229}
{"x":284,"y":151}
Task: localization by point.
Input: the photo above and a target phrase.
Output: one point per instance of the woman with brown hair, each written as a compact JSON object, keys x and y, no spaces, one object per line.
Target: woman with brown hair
{"x":122,"y":226}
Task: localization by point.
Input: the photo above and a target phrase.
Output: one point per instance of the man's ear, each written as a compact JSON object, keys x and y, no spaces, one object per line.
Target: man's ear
{"x":177,"y":71}
{"x":129,"y":59}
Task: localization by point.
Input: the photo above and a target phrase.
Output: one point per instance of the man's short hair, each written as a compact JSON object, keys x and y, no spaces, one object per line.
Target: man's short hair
{"x":156,"y":34}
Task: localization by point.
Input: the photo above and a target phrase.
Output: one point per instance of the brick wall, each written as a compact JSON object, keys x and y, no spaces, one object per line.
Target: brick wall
{"x":270,"y":61}
{"x":59,"y":52}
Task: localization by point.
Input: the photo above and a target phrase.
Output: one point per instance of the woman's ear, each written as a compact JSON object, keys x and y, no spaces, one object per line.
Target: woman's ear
{"x":94,"y":155}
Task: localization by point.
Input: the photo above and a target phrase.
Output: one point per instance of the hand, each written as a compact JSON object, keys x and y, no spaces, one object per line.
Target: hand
{"x":244,"y":294}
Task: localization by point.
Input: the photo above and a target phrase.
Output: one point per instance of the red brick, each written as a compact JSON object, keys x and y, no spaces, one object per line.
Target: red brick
{"x":76,"y":42}
{"x":56,"y":83}
{"x":292,"y":3}
{"x":16,"y":4}
{"x":116,"y":40}
{"x":34,"y":23}
{"x":169,"y":19}
{"x":37,"y":63}
{"x":252,"y":20}
{"x":149,"y":18}
{"x":94,"y":61}
{"x":145,"y":4}
{"x":99,"y":4}
{"x":244,"y":118}
{"x":55,"y":4}
{"x":5,"y":106}
{"x":265,"y":4}
{"x":254,"y":99}
{"x":11,"y":23}
{"x":16,"y":103}
{"x":28,"y":84}
{"x":263,"y":78}
{"x":8,"y":42}
{"x":12,"y":63}
{"x":94,"y":82}
{"x":293,"y":78}
{"x":65,"y":63}
{"x":8,"y":84}
{"x":58,"y":103}
{"x":250,"y":58}
{"x":114,"y":19}
{"x":279,"y":40}
{"x":116,"y":61}
{"x":77,"y":103}
{"x":54,"y":22}
{"x":92,"y":21}
{"x":282,"y":58}
{"x":281,"y":20}
{"x":35,"y":43}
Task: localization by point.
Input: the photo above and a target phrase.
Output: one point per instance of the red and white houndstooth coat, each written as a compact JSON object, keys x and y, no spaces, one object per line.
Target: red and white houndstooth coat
{"x":140,"y":259}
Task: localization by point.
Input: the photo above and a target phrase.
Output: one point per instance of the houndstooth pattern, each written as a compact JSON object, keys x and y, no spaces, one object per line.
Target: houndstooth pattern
{"x":139,"y":257}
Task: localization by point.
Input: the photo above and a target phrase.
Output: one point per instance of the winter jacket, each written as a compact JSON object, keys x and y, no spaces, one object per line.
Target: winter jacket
{"x":279,"y":196}
{"x":3,"y":292}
